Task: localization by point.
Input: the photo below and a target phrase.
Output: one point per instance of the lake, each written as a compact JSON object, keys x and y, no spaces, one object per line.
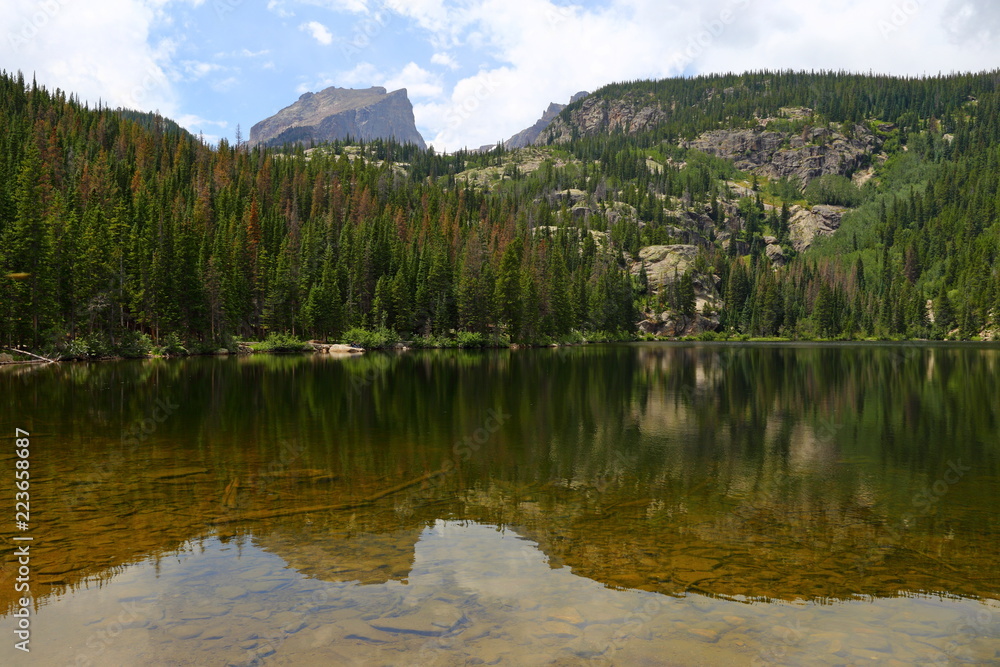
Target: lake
{"x":615,"y":504}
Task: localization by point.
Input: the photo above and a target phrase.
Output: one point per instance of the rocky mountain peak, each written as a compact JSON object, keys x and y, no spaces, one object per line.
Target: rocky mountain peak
{"x":337,"y":113}
{"x":529,"y":136}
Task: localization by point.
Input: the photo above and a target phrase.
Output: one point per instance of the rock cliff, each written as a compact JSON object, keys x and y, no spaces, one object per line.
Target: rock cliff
{"x":814,"y":152}
{"x":596,"y":115}
{"x":665,"y":264}
{"x":338,"y":113}
{"x":805,"y":224}
{"x":528,"y":137}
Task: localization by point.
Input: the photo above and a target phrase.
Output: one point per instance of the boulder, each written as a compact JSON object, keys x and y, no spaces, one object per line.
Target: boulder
{"x":673,"y":325}
{"x":805,"y":224}
{"x":573,"y":196}
{"x":775,"y":254}
{"x":346,"y":349}
{"x":665,"y":262}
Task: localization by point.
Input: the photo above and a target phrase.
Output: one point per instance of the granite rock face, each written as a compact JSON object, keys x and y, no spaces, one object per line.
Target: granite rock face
{"x":598,"y":115}
{"x":338,"y":113}
{"x":806,"y":224}
{"x":527,"y":137}
{"x":816,"y":151}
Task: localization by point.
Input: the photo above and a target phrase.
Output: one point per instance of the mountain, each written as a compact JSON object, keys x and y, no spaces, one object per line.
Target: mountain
{"x":335,"y":114}
{"x":527,"y":137}
{"x":791,"y":204}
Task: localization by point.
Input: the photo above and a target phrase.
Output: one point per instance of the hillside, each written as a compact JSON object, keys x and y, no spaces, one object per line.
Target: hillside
{"x":766,"y":204}
{"x":529,"y":136}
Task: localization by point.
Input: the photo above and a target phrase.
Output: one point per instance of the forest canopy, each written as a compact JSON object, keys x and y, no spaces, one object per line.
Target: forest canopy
{"x":119,"y":229}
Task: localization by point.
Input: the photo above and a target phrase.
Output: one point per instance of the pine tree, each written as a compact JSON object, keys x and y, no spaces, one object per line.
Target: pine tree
{"x":824,"y":310}
{"x":28,"y":252}
{"x":508,"y":289}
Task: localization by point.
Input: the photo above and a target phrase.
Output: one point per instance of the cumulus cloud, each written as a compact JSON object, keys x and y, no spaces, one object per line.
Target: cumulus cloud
{"x":196,"y":125}
{"x":225,"y":85}
{"x":197,"y":70}
{"x":975,"y":21}
{"x":537,"y":51}
{"x":244,"y":53}
{"x":278,"y":7}
{"x":318,"y":31}
{"x":445,"y":60}
{"x":193,"y":120}
{"x":352,"y":6}
{"x":525,"y":53}
{"x":101,"y":53}
{"x":363,"y":75}
{"x":418,"y":82}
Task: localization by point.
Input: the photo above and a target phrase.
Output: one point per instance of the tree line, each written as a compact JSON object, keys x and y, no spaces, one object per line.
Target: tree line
{"x":119,"y":229}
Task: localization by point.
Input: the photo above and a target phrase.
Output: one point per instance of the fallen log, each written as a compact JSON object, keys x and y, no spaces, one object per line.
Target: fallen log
{"x":46,"y":359}
{"x":275,"y":514}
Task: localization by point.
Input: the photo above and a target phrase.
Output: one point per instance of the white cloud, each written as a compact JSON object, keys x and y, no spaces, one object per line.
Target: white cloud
{"x":318,"y":31}
{"x":194,"y":122}
{"x":243,"y":53}
{"x":537,"y":51}
{"x":444,"y":23}
{"x":543,"y":53}
{"x":445,"y":60}
{"x":419,"y":83}
{"x":196,"y":125}
{"x":278,"y":7}
{"x":225,"y":85}
{"x":352,"y":6}
{"x":99,"y":55}
{"x":363,"y":75}
{"x":197,"y":70}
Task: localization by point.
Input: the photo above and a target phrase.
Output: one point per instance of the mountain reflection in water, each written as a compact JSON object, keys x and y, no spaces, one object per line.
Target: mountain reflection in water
{"x":738,"y":502}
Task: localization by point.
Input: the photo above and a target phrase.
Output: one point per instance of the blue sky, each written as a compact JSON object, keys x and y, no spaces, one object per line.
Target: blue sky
{"x":477,"y":71}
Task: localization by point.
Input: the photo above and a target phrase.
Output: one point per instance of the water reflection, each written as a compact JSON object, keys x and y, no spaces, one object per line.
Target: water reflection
{"x":708,"y":474}
{"x":472,"y":592}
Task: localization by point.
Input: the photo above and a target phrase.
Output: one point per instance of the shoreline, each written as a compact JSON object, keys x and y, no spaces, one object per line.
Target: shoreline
{"x":345,"y":350}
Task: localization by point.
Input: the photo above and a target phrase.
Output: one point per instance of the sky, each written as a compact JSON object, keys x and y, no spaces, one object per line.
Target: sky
{"x":476,"y":71}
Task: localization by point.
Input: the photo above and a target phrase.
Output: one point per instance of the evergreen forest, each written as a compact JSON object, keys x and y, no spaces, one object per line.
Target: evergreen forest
{"x":123,"y":234}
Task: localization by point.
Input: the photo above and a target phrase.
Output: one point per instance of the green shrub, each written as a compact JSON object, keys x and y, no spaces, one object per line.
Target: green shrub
{"x":469,"y":339}
{"x":574,"y":337}
{"x":785,"y":189}
{"x":98,"y":346}
{"x":75,"y":348}
{"x":281,"y":342}
{"x":134,"y":345}
{"x":172,"y":347}
{"x":370,"y":340}
{"x":834,"y":190}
